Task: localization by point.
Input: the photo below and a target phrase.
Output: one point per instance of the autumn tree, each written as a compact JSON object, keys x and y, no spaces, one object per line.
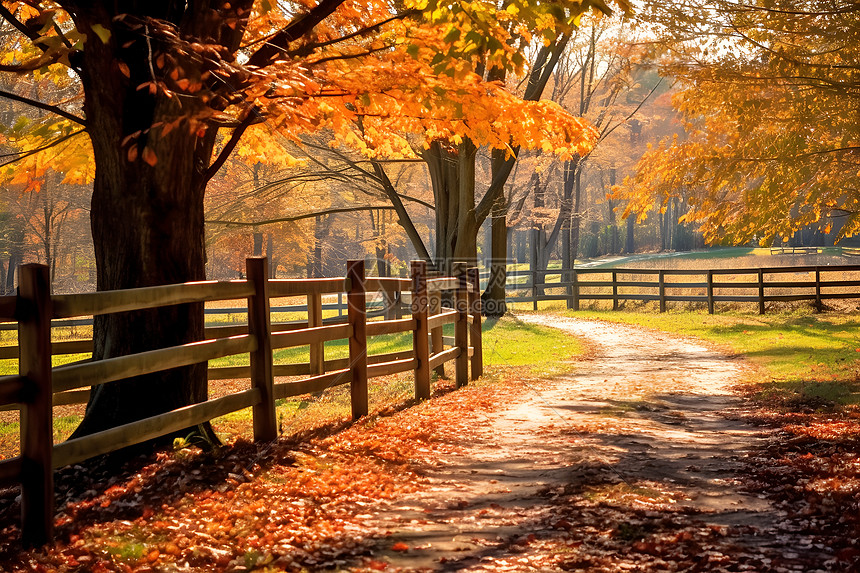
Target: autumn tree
{"x":605,"y":79}
{"x":770,"y":104}
{"x":159,"y":83}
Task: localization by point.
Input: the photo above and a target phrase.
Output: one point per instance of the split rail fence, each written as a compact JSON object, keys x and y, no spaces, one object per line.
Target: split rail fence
{"x":38,"y":386}
{"x":752,"y":285}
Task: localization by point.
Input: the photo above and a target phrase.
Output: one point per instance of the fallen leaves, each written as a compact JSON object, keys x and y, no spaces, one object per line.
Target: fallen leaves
{"x":312,"y":504}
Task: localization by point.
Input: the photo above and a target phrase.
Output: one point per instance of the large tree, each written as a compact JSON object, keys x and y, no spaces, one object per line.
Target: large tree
{"x":161,"y":81}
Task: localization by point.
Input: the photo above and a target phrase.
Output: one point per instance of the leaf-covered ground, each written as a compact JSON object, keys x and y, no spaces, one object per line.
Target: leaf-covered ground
{"x":638,"y":461}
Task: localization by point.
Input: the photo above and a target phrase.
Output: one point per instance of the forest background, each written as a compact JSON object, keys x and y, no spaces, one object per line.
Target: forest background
{"x":309,"y":206}
{"x":687,"y":87}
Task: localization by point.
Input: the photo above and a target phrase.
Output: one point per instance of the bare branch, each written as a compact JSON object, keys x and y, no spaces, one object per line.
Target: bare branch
{"x":308,"y":48}
{"x":45,"y":106}
{"x":298,"y":217}
{"x":17,"y":24}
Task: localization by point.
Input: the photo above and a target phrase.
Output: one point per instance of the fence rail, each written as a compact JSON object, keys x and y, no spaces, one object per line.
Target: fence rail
{"x":750,"y":285}
{"x":38,"y":386}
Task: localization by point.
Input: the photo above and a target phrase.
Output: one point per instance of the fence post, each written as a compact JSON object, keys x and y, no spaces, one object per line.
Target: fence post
{"x":461,"y":327}
{"x":475,"y":328}
{"x":37,"y":441}
{"x":818,"y":305}
{"x":761,"y":291}
{"x":661,"y":286}
{"x":420,"y":338}
{"x":534,"y":290}
{"x":260,"y":327}
{"x":575,"y":290}
{"x":710,"y":292}
{"x":357,"y":316}
{"x":437,"y":344}
{"x":315,"y":319}
{"x":614,"y":290}
{"x":389,"y":300}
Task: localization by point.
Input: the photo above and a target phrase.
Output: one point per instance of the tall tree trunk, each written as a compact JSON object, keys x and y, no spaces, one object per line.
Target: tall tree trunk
{"x":613,"y":227}
{"x":568,"y":257}
{"x":270,"y":255}
{"x":576,"y":218}
{"x":540,"y":250}
{"x":630,"y":245}
{"x":452,"y":175}
{"x":493,"y":298}
{"x":147,"y":208}
{"x":316,"y":266}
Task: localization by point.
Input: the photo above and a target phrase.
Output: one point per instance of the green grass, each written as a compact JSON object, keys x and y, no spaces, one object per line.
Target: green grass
{"x":511,"y":347}
{"x":801,"y":359}
{"x":538,"y":350}
{"x":507,"y":343}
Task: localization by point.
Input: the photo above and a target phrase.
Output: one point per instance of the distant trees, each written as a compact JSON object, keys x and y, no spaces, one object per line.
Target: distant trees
{"x":770,"y":99}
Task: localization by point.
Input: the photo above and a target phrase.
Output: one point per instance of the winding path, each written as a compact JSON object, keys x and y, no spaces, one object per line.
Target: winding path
{"x":645,"y":421}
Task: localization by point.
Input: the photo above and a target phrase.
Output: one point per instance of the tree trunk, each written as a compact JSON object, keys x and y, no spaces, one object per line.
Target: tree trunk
{"x":258,"y":244}
{"x":147,"y":206}
{"x":270,"y":254}
{"x":316,"y":267}
{"x":494,"y":303}
{"x":540,"y":250}
{"x":452,"y":175}
{"x":568,"y":257}
{"x":630,"y":245}
{"x":576,"y":218}
{"x":610,"y":216}
{"x":493,"y":297}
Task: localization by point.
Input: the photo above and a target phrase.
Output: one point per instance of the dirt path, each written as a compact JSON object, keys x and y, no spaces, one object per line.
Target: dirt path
{"x":628,"y":463}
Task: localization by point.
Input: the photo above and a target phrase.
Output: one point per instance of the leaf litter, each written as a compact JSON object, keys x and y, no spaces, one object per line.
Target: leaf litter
{"x":474,"y":480}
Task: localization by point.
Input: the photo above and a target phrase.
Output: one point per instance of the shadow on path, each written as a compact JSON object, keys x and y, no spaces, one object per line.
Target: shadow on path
{"x":595,"y":468}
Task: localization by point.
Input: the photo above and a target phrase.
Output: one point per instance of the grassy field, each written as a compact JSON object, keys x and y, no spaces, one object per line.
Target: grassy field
{"x":511,"y":348}
{"x":801,"y":359}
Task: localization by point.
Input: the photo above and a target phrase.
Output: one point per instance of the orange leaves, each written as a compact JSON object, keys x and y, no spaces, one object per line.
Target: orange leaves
{"x":149,"y":156}
{"x":420,"y":87}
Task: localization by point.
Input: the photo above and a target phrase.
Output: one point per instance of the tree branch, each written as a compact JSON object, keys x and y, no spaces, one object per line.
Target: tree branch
{"x":308,"y":48}
{"x":17,"y":24}
{"x":298,"y":217}
{"x":303,"y":24}
{"x":25,"y":154}
{"x":403,"y":216}
{"x":42,"y":105}
{"x":230,"y":145}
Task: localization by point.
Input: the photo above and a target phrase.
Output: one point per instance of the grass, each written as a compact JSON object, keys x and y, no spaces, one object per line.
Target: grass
{"x":801,"y":360}
{"x":511,"y":348}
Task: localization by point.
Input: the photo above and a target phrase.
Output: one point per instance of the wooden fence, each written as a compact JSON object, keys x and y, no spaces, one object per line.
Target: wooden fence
{"x":38,"y":386}
{"x":757,"y":285}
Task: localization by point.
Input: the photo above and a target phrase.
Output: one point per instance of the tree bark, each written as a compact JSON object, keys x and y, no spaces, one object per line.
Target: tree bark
{"x":494,"y":305}
{"x":576,"y":217}
{"x":493,"y":298}
{"x":452,"y":175}
{"x":147,"y":205}
{"x":630,"y":244}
